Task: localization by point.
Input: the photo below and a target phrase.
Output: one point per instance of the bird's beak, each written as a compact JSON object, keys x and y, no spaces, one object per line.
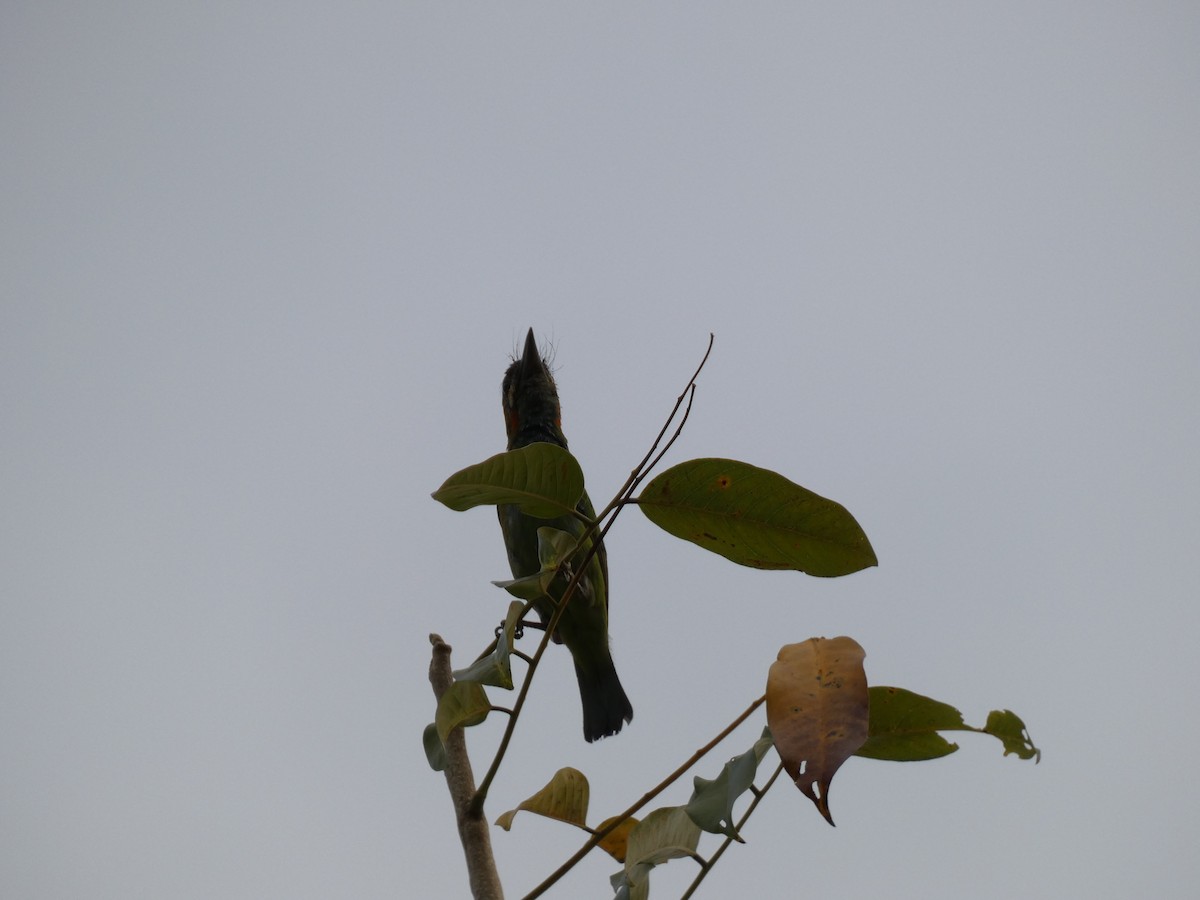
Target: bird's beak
{"x":531,"y":360}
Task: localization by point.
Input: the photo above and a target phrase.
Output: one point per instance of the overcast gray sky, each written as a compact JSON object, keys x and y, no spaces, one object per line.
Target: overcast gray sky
{"x":261,"y":270}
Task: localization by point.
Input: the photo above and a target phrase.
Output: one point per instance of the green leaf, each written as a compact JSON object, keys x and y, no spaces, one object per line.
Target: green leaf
{"x":553,"y":547}
{"x":496,"y":668}
{"x":904,"y":727}
{"x":435,"y":750}
{"x":531,"y":587}
{"x":756,"y":518}
{"x":711,"y":804}
{"x":465,"y":704}
{"x":1008,"y":727}
{"x":543,"y":479}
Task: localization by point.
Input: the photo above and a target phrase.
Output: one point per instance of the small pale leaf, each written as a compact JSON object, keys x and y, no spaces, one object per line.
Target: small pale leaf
{"x":495,"y":669}
{"x":543,"y":479}
{"x":817,"y":711}
{"x":623,"y":890}
{"x":565,"y":798}
{"x":531,"y":587}
{"x":664,"y":834}
{"x":711,"y":804}
{"x":756,"y":517}
{"x":554,"y":546}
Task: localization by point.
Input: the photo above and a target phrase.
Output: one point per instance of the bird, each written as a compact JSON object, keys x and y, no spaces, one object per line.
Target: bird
{"x":532,"y":414}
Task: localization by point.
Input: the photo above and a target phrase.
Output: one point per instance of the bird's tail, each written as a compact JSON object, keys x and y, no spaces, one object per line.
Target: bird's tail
{"x":605,"y":707}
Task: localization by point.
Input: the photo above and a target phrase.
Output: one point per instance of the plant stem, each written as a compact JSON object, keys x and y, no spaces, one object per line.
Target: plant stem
{"x":473,"y":829}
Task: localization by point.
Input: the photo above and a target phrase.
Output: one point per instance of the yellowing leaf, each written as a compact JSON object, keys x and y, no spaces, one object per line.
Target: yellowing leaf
{"x":817,"y":711}
{"x":756,"y":518}
{"x":616,"y":841}
{"x":565,"y":798}
{"x":465,"y":704}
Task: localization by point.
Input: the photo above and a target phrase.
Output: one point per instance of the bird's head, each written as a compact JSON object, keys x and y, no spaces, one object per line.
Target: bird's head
{"x":530,"y":399}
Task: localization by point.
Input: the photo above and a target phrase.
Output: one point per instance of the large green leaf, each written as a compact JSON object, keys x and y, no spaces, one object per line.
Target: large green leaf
{"x":903,"y":727}
{"x":543,"y":479}
{"x":756,"y":517}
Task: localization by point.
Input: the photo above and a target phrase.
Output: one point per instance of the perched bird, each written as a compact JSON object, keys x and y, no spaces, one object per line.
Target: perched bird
{"x":531,"y":415}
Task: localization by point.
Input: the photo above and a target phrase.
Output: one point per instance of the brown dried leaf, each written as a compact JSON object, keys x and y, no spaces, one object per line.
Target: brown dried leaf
{"x":817,"y":710}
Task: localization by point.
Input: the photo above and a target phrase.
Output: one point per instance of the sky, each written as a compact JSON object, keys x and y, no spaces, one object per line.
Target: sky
{"x":262,"y":267}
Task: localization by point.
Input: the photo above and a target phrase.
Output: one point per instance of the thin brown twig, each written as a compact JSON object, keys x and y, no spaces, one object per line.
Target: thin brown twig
{"x":601,"y":833}
{"x":690,"y":387}
{"x":649,"y":461}
{"x":687,"y":411}
{"x":706,"y":866}
{"x":646,"y":465}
